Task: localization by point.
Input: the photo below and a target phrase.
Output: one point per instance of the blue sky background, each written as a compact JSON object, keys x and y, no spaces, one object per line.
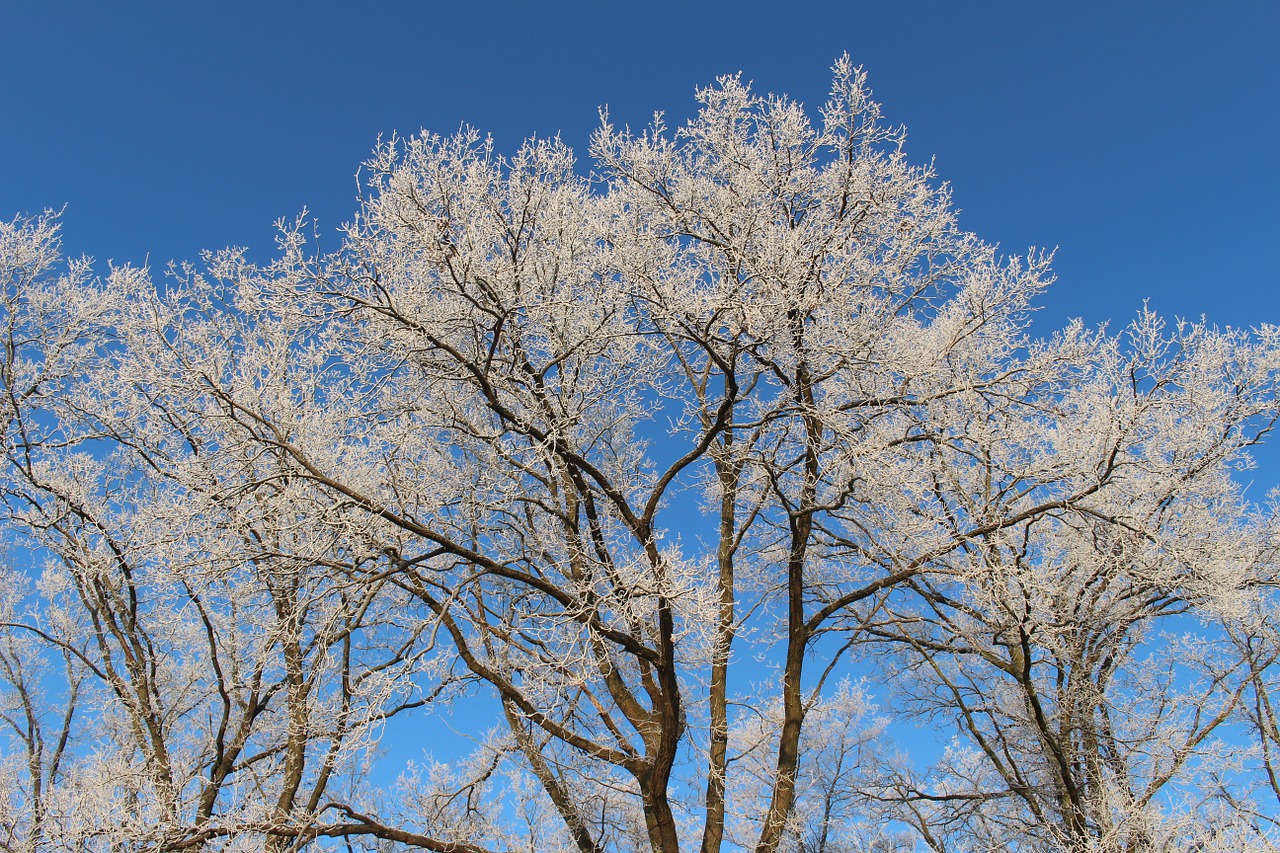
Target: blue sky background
{"x":1140,"y":138}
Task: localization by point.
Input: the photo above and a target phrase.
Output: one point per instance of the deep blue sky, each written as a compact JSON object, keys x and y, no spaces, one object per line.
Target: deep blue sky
{"x":1142,"y":139}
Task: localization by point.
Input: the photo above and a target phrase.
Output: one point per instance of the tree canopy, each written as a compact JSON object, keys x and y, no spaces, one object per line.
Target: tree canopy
{"x":697,"y":473}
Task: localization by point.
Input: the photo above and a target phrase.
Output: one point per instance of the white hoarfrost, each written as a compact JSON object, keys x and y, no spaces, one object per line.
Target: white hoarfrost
{"x":653,"y":471}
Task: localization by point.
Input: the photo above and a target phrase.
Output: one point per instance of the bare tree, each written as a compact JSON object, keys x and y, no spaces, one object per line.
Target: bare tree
{"x":1085,"y":655}
{"x":645,"y":462}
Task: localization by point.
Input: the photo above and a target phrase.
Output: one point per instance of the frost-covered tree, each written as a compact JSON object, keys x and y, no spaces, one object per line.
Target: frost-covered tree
{"x":650,"y":460}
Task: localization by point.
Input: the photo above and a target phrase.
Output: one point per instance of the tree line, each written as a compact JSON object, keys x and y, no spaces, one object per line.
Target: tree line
{"x":706,"y":468}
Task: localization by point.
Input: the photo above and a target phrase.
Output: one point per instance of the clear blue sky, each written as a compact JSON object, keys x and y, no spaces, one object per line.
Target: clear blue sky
{"x":1142,"y":139}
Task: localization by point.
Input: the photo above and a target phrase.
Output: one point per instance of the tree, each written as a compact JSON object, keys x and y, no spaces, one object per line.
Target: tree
{"x":645,"y":462}
{"x":203,"y":621}
{"x":1066,"y":647}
